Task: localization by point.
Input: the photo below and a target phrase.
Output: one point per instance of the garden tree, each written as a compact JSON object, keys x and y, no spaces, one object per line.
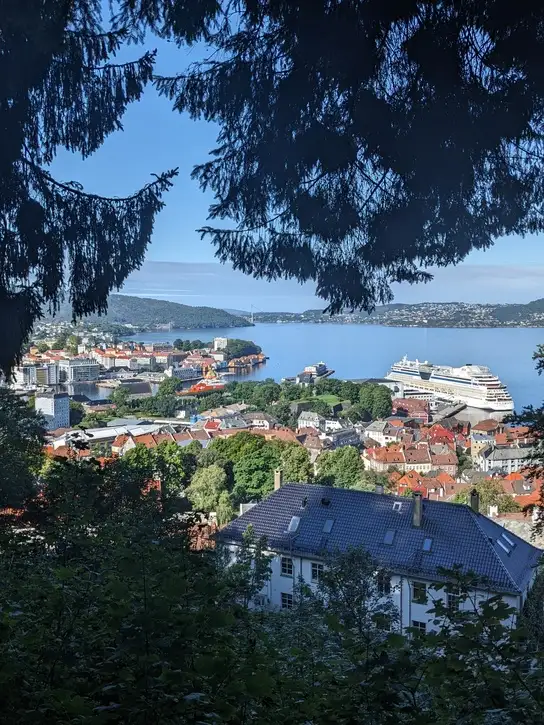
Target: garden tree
{"x":254,"y":473}
{"x":350,"y":585}
{"x":243,"y":392}
{"x":224,"y":509}
{"x":237,"y":446}
{"x":357,"y":413}
{"x":265,"y":394}
{"x":321,"y":408}
{"x":94,"y":420}
{"x":206,"y":488}
{"x":366,"y":397}
{"x":491,"y":494}
{"x":342,"y":467}
{"x":77,"y":413}
{"x":328,"y":386}
{"x":173,"y":467}
{"x":371,"y":479}
{"x":194,"y":448}
{"x":72,"y":343}
{"x":282,"y":411}
{"x":21,"y":442}
{"x":169,"y":386}
{"x":209,"y":401}
{"x":289,"y":391}
{"x":349,"y":391}
{"x":165,"y":406}
{"x":56,"y":239}
{"x":140,"y":461}
{"x":375,"y":400}
{"x":295,"y":464}
{"x":60,"y":342}
{"x":120,"y":396}
{"x":381,"y":406}
{"x":42,"y":347}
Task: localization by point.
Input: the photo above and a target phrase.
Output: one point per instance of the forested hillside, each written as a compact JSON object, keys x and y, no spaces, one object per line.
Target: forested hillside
{"x":149,"y":313}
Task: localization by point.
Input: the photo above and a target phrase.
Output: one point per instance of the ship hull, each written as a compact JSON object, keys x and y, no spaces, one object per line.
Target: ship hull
{"x":449,"y":393}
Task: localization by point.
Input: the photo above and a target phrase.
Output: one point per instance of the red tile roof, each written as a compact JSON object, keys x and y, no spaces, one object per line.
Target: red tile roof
{"x":486,"y":426}
{"x":146,"y":440}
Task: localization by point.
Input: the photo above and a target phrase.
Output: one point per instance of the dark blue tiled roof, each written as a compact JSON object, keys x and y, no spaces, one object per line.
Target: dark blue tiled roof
{"x":361,"y":519}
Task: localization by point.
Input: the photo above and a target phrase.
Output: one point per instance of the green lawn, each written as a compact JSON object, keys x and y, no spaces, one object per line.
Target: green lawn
{"x":328,"y":398}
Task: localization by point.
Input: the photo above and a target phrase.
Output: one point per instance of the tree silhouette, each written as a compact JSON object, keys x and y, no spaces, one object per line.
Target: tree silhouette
{"x":60,"y":89}
{"x":363,"y":141}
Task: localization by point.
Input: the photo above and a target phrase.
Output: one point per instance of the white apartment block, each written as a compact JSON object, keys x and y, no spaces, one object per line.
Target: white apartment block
{"x":411,"y":538}
{"x":55,"y":408}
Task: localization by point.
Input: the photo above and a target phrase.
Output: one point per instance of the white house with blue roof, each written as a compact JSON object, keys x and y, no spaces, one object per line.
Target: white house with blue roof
{"x":411,"y":538}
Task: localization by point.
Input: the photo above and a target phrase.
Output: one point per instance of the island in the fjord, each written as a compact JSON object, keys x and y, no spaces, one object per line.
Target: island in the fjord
{"x":425,"y":314}
{"x":143,"y":313}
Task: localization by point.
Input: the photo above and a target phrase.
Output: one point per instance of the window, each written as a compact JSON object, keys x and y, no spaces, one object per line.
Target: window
{"x":389,"y":537}
{"x":419,"y":592}
{"x":286,"y":566}
{"x":327,"y":526}
{"x":286,"y":600}
{"x":420,"y":627}
{"x":454,"y":601}
{"x":397,"y":506}
{"x":293,"y":524}
{"x":427,"y":544}
{"x":317,"y":571}
{"x":383,"y":582}
{"x":260,"y":600}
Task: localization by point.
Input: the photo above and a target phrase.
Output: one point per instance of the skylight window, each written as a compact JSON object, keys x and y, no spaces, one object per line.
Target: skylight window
{"x":508,"y":539}
{"x":389,"y":537}
{"x":503,"y":546}
{"x":397,"y":506}
{"x":293,"y":524}
{"x":427,"y":544}
{"x":327,"y":526}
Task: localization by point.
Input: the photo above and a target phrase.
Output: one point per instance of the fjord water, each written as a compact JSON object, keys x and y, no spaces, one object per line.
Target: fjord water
{"x":364,"y":351}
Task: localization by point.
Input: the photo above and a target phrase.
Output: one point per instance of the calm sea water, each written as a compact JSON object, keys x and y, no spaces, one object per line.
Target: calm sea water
{"x":363,"y":351}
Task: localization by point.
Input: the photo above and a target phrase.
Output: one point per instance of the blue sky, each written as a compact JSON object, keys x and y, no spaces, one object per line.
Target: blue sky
{"x":156,"y":138}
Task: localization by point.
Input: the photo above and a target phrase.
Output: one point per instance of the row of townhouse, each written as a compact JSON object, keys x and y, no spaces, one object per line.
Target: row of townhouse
{"x":414,"y":540}
{"x":420,"y":457}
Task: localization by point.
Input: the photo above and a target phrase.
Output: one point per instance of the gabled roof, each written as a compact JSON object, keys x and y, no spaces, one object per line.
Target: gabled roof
{"x":486,"y":425}
{"x":361,"y":519}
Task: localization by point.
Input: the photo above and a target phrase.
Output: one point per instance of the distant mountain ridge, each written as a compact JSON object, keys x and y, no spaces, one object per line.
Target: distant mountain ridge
{"x":426,"y":314}
{"x":148,"y":313}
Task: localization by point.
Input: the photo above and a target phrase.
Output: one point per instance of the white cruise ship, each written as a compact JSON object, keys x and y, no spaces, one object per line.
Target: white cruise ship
{"x":474,"y":385}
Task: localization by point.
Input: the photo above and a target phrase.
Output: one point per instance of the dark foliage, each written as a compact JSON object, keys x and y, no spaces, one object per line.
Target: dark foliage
{"x":21,"y":441}
{"x":60,"y":89}
{"x":362,"y":141}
